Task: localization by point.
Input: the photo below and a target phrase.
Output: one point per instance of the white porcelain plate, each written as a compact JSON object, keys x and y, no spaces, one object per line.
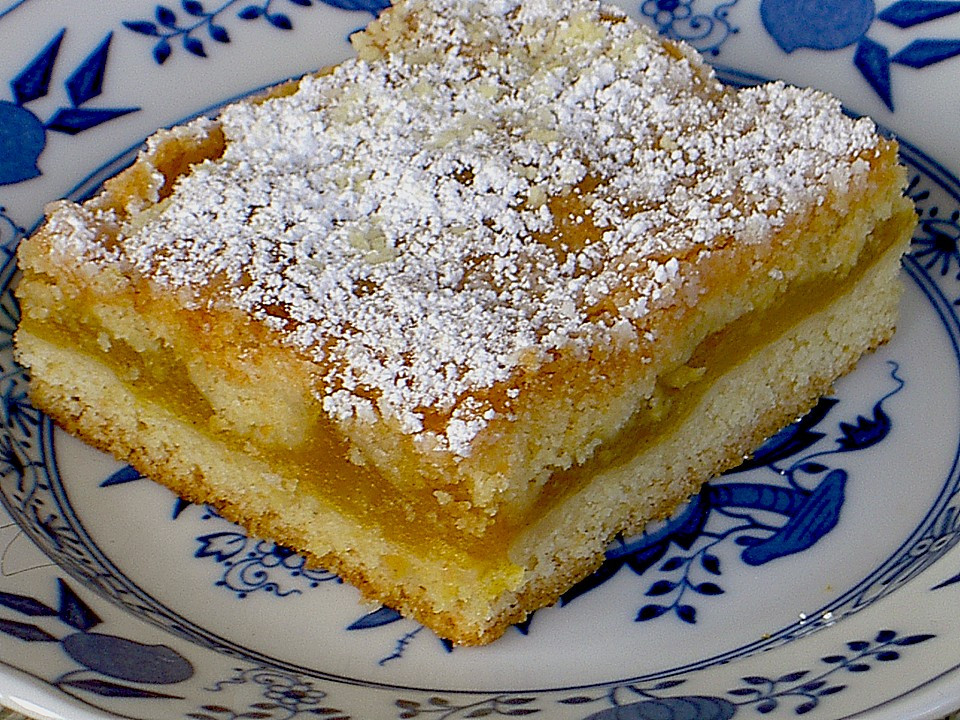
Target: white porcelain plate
{"x":821,"y":581}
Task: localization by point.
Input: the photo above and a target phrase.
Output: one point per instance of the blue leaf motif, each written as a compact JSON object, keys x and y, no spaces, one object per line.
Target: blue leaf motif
{"x":124,"y":475}
{"x":674,"y":563}
{"x":708,"y":588}
{"x":691,"y":707}
{"x":377,"y":618}
{"x":75,"y":120}
{"x":946,"y":583}
{"x":921,"y":53}
{"x":873,"y":61}
{"x":250,"y":12}
{"x":885,"y":636}
{"x":104,"y":688}
{"x":817,"y":517}
{"x":73,"y":611}
{"x":25,"y":605}
{"x":907,"y":13}
{"x":687,"y":613}
{"x":166,"y":16}
{"x":34,"y":80}
{"x":127,"y":660}
{"x":218,"y":33}
{"x":86,"y":82}
{"x":192,"y":7}
{"x":161,"y":51}
{"x":913,"y":639}
{"x":23,"y":631}
{"x":142,"y":26}
{"x":194,"y":46}
{"x":279,"y":20}
{"x":661,"y":587}
{"x":792,"y":677}
{"x":649,"y":612}
{"x":822,"y":25}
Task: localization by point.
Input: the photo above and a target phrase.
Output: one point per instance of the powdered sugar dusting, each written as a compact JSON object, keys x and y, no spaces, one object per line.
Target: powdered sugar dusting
{"x":398,"y":217}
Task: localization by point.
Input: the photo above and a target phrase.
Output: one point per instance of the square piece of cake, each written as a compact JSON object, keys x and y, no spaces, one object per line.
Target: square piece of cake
{"x":449,"y":316}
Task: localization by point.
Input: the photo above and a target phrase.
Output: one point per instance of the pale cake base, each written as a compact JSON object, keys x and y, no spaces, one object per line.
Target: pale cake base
{"x":751,"y":400}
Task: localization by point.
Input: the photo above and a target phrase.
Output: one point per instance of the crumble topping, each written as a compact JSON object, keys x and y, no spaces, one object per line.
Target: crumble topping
{"x":412,"y":218}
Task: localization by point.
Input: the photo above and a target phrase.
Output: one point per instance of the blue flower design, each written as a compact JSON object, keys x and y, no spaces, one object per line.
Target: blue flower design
{"x":936,"y":241}
{"x":252,"y":565}
{"x":23,"y":135}
{"x":110,"y":666}
{"x":284,"y":695}
{"x":294,"y":694}
{"x":835,"y":24}
{"x":249,"y":564}
{"x":664,"y":13}
{"x":688,"y":20}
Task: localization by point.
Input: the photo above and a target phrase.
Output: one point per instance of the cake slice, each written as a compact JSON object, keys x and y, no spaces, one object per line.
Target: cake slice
{"x":447,"y":317}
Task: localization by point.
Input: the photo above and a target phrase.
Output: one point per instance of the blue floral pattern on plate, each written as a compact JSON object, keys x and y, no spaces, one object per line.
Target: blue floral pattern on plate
{"x":703,"y":26}
{"x":100,"y":632}
{"x":836,"y":24}
{"x":197,"y":22}
{"x":23,"y":134}
{"x":805,"y":689}
{"x":110,"y":666}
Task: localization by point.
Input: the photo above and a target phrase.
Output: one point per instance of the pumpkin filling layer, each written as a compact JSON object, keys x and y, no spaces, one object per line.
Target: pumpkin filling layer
{"x":321,"y":463}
